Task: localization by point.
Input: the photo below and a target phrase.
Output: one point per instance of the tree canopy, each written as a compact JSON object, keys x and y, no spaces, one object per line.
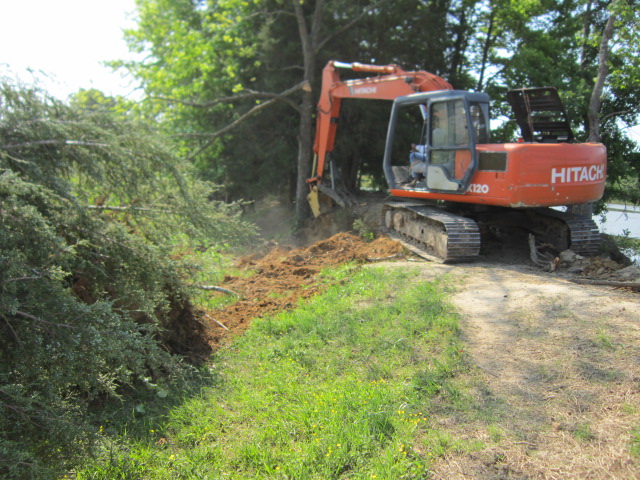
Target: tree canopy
{"x":209,"y":63}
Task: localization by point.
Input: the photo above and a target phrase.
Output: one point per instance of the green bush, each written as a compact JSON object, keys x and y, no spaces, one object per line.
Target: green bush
{"x":90,"y":301}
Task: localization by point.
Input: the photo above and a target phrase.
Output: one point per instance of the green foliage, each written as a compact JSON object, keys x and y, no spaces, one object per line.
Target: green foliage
{"x":59,"y":353}
{"x":89,"y":297}
{"x":363,"y":230}
{"x":634,"y":444}
{"x":557,"y":44}
{"x":628,"y":245}
{"x":208,"y":63}
{"x":321,"y":392}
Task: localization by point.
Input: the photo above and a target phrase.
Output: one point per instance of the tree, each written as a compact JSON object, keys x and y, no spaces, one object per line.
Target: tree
{"x":290,"y":42}
{"x":262,"y":91}
{"x":558,"y":44}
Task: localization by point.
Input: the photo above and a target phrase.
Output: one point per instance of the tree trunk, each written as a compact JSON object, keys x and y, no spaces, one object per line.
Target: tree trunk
{"x":309,"y":41}
{"x":485,"y":50}
{"x":596,"y":95}
{"x":304,"y":157}
{"x":586,"y":33}
{"x":459,"y":47}
{"x":311,"y":44}
{"x":593,"y":117}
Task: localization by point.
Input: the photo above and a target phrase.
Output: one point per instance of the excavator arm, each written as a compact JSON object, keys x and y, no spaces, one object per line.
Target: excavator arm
{"x":389,"y":83}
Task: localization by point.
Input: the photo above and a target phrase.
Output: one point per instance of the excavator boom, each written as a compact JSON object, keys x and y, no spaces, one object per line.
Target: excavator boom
{"x":390,"y":83}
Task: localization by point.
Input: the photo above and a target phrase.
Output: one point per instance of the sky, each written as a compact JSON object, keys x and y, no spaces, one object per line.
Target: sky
{"x":61,"y":44}
{"x":64,"y":42}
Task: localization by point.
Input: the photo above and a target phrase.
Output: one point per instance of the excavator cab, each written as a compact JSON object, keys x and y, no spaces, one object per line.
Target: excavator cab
{"x":454,"y":122}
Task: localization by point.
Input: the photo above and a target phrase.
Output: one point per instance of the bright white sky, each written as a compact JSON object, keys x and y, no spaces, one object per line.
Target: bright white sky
{"x":64,"y":42}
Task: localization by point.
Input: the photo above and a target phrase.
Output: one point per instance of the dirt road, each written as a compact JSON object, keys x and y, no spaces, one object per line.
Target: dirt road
{"x":558,"y":376}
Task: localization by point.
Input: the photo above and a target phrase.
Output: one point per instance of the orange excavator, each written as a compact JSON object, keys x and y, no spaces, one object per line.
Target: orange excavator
{"x":456,"y":184}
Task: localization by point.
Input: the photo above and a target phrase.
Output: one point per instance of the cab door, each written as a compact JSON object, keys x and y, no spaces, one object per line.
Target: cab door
{"x":451,"y":159}
{"x":455,"y":122}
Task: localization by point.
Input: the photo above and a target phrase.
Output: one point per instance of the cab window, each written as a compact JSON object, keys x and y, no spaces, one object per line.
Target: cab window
{"x":449,"y":124}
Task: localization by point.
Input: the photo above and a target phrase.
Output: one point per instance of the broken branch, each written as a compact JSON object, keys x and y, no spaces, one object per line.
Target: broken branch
{"x":609,"y":283}
{"x":242,"y":118}
{"x":219,"y":323}
{"x":216,"y":289}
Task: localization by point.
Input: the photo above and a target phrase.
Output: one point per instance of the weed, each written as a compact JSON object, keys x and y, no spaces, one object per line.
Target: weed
{"x":558,"y":308}
{"x":495,"y":433}
{"x":634,"y":447}
{"x":363,"y":230}
{"x":603,"y":340}
{"x":583,"y":432}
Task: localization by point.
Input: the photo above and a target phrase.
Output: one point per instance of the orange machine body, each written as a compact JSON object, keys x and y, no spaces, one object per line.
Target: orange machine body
{"x":531,"y":175}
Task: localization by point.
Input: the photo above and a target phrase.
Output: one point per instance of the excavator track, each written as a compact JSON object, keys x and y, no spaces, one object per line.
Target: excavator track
{"x":437,"y":234}
{"x":584,"y":236}
{"x":440,"y":235}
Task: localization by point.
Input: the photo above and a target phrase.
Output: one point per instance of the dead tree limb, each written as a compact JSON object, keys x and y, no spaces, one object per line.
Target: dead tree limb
{"x":212,"y":137}
{"x":382,"y":259}
{"x":80,"y":143}
{"x":247,"y":95}
{"x":216,"y":289}
{"x":219,"y":323}
{"x":125,"y":208}
{"x":39,"y":320}
{"x":610,"y":283}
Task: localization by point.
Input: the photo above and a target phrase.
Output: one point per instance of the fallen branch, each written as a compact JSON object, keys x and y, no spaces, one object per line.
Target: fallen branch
{"x":609,"y":283}
{"x":39,"y":320}
{"x":216,"y":289}
{"x":219,"y":323}
{"x":124,"y":209}
{"x":382,"y":259}
{"x":546,"y":262}
{"x":12,"y":146}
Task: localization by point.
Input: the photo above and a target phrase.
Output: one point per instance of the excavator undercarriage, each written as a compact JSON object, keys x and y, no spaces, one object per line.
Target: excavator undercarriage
{"x":456,"y":235}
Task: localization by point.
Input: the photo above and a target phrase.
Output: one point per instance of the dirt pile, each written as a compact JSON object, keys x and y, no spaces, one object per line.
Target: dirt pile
{"x":277,"y":280}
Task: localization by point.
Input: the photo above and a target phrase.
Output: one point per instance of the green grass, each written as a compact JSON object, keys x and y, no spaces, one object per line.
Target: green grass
{"x":634,"y":446}
{"x":340,"y":388}
{"x":583,"y":432}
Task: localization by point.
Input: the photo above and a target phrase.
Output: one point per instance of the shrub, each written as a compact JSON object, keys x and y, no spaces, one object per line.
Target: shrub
{"x":90,"y":300}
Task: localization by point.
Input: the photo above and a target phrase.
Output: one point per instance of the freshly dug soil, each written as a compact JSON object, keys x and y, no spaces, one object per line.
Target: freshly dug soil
{"x":277,"y":280}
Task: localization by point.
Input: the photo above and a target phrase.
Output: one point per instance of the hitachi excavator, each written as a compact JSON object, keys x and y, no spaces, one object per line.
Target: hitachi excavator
{"x":458,"y":184}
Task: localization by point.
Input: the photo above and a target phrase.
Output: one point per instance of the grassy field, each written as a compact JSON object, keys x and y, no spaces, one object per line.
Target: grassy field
{"x":342,"y":387}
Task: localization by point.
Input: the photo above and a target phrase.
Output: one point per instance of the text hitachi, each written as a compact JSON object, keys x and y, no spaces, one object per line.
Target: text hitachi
{"x":577,"y":174}
{"x":363,"y":90}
